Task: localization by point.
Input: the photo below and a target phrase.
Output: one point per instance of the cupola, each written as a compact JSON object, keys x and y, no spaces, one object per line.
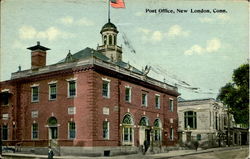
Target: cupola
{"x":109,"y":45}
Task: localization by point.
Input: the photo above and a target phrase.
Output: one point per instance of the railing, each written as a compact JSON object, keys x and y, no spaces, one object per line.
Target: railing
{"x":55,"y":146}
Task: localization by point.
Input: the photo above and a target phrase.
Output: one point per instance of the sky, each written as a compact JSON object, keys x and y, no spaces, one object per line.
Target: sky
{"x":197,"y":52}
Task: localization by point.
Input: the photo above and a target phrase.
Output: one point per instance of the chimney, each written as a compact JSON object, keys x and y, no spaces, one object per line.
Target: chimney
{"x":38,"y":55}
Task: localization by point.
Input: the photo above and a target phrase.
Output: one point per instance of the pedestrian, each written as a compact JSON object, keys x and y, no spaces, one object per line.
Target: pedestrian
{"x":50,"y":153}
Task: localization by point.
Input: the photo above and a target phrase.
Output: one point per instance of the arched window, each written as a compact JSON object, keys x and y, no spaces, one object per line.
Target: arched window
{"x":157,"y":130}
{"x":105,"y":39}
{"x":190,"y":120}
{"x":144,"y":121}
{"x":128,"y":132}
{"x":110,"y":40}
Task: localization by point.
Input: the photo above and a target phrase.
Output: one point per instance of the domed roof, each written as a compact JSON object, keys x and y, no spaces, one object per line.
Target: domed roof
{"x":109,"y":26}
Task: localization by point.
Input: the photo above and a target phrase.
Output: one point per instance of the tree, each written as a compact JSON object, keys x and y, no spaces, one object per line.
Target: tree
{"x":236,"y":95}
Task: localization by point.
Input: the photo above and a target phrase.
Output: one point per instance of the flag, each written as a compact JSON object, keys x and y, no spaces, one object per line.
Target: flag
{"x":117,"y":3}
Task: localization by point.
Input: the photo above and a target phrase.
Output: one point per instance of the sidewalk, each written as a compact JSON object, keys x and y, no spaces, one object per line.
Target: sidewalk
{"x":134,"y":156}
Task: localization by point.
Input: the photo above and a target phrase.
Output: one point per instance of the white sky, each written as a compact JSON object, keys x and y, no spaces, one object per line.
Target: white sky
{"x":200,"y":49}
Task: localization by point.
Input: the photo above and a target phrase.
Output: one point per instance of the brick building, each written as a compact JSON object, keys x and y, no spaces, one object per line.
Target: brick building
{"x":90,"y":103}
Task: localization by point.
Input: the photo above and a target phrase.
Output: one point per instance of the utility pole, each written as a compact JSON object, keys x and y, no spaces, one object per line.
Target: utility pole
{"x":228,"y":127}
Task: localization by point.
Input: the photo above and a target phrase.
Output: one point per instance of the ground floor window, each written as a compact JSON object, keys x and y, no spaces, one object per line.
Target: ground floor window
{"x":171,"y":137}
{"x":128,"y":132}
{"x":35,"y":131}
{"x":5,"y":132}
{"x":105,"y":130}
{"x":72,"y":130}
{"x":157,"y":130}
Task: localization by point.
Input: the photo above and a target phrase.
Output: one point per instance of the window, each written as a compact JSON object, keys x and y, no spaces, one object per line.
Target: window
{"x":171,"y":137}
{"x":110,"y":40}
{"x":114,"y":40}
{"x":35,"y":131}
{"x":105,"y":39}
{"x":144,"y":121}
{"x":144,"y":100}
{"x":128,"y":94}
{"x":71,"y":88}
{"x":5,"y":132}
{"x":52,"y":91}
{"x":5,"y":116}
{"x":5,"y":98}
{"x":71,"y":110}
{"x":105,"y":130}
{"x":35,"y":94}
{"x":198,"y":136}
{"x":157,"y":130}
{"x":157,"y":101}
{"x":72,"y":130}
{"x":171,"y":105}
{"x":190,"y":120}
{"x":34,"y":114}
{"x":128,"y":133}
{"x":105,"y":88}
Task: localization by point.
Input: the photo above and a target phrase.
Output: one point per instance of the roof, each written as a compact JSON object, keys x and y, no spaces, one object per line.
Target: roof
{"x":85,"y":53}
{"x":109,"y":25}
{"x":194,"y":100}
{"x":89,"y":52}
{"x":38,"y":47}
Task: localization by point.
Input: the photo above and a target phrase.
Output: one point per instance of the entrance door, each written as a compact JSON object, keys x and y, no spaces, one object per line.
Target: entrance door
{"x":53,"y":133}
{"x":147,"y":135}
{"x":53,"y":130}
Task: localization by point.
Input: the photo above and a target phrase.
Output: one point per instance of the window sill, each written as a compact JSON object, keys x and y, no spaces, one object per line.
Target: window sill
{"x":52,"y":99}
{"x":106,"y":97}
{"x":71,"y":97}
{"x":5,"y":105}
{"x":35,"y":101}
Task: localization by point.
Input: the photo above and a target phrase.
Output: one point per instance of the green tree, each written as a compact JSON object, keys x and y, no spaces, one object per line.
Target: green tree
{"x":236,"y":95}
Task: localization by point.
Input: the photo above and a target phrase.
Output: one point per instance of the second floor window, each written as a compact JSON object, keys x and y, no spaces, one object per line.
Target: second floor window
{"x":171,"y":105}
{"x":144,"y":100}
{"x":34,"y":94}
{"x":105,"y":88}
{"x":71,"y":88}
{"x":157,"y":101}
{"x":128,"y":94}
{"x":5,"y":98}
{"x":52,"y":91}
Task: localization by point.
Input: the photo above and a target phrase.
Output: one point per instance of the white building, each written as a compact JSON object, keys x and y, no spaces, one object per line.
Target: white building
{"x":200,"y":119}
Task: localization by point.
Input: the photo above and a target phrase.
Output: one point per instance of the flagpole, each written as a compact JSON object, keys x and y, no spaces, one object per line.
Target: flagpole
{"x":109,"y":11}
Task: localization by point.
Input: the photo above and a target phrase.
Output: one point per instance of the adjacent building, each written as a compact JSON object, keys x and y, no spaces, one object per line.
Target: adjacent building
{"x":89,"y":103}
{"x":208,"y":121}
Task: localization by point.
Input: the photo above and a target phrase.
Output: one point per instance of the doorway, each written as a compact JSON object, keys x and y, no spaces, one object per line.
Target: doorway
{"x":53,"y":128}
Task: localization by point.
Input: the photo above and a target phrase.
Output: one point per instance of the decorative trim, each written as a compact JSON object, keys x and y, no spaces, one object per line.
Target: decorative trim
{"x":35,"y":85}
{"x":52,"y":82}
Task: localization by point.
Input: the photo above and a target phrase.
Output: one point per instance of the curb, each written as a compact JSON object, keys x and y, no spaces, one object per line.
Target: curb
{"x":204,"y":151}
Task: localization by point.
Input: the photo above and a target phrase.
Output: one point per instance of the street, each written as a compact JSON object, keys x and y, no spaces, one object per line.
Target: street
{"x":227,"y":154}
